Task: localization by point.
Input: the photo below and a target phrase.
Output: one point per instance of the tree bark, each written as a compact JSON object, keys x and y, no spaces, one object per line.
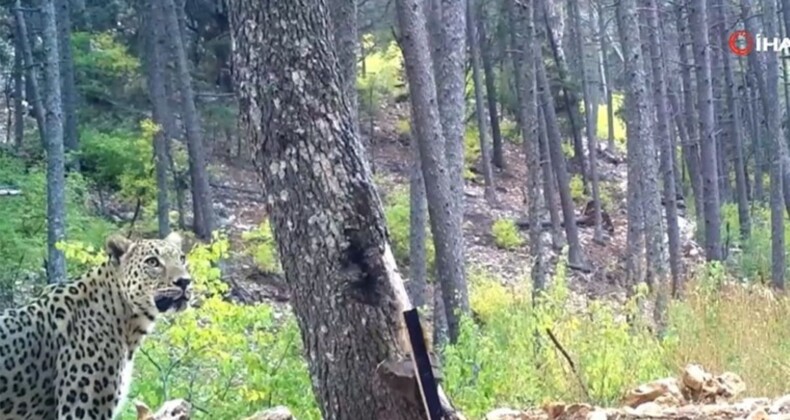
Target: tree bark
{"x":606,"y":79}
{"x":482,"y":129}
{"x":201,"y":190}
{"x":344,"y":27}
{"x":31,"y":76}
{"x":691,"y":149}
{"x":348,"y":296}
{"x":736,"y":129}
{"x":56,"y":171}
{"x":770,"y":99}
{"x":157,"y":92}
{"x":710,"y":185}
{"x":575,"y":254}
{"x":522,"y":25}
{"x":662,"y":136}
{"x":443,"y":211}
{"x":450,"y":79}
{"x":71,"y":139}
{"x":590,"y":124}
{"x":549,"y":183}
{"x":491,"y":92}
{"x":19,"y":89}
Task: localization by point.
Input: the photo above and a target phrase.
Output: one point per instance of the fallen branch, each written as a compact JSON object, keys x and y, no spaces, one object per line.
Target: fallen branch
{"x":570,"y":362}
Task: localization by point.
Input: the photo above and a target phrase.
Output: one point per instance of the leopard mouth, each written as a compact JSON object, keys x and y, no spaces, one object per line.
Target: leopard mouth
{"x":167,"y":302}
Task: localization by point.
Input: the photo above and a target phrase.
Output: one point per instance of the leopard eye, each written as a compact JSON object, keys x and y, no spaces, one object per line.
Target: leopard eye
{"x":153,"y":262}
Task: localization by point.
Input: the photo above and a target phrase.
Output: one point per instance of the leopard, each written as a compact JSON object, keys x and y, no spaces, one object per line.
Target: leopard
{"x":68,"y":353}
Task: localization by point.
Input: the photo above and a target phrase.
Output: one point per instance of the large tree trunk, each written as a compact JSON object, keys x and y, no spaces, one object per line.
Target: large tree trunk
{"x":450,"y":79}
{"x":444,"y":214}
{"x":710,"y":185}
{"x":348,"y":295}
{"x":31,"y":76}
{"x":56,"y":176}
{"x":156,"y":46}
{"x":522,"y":25}
{"x":201,"y":190}
{"x":71,"y":139}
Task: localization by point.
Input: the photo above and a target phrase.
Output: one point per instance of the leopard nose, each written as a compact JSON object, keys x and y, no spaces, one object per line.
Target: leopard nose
{"x":183,"y":282}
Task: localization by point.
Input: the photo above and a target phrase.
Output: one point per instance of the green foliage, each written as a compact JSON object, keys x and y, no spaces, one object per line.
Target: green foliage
{"x":382,"y":73}
{"x":577,"y":189}
{"x":121,"y":160}
{"x":753,"y":260}
{"x":472,"y":150}
{"x":104,"y":68}
{"x":397,"y":215}
{"x":567,"y":150}
{"x":510,"y":131}
{"x":509,"y":360}
{"x":403,"y":126}
{"x":263,"y":248}
{"x":505,"y":233}
{"x":23,"y":227}
{"x":602,"y":125}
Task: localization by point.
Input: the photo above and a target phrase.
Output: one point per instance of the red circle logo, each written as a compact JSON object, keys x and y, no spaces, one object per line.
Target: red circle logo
{"x":738,"y":49}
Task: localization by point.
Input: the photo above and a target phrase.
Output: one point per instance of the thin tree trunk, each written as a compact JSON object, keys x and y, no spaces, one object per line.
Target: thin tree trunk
{"x":592,"y":136}
{"x":522,"y":25}
{"x":734,"y":117}
{"x":491,"y":93}
{"x":757,"y":148}
{"x":445,"y":224}
{"x":549,"y":183}
{"x":710,"y":184}
{"x":640,"y":131}
{"x":31,"y":78}
{"x":606,"y":79}
{"x":663,"y":135}
{"x":56,"y":171}
{"x":201,"y":190}
{"x":348,"y":296}
{"x":19,"y":89}
{"x":482,"y":129}
{"x":770,"y":98}
{"x":575,"y":254}
{"x":71,"y":139}
{"x":691,"y":150}
{"x":418,"y":220}
{"x":562,"y":68}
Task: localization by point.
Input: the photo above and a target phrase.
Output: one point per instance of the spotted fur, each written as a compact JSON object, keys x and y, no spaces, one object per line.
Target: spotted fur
{"x":68,"y":354}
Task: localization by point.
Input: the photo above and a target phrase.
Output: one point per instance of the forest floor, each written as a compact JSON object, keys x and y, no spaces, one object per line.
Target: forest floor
{"x":240,"y":203}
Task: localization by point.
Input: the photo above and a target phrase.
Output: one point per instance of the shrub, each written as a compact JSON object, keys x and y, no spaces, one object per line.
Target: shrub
{"x":381,"y":78}
{"x":262,"y":247}
{"x":397,"y":215}
{"x":577,"y":189}
{"x":471,"y":150}
{"x":506,"y":235}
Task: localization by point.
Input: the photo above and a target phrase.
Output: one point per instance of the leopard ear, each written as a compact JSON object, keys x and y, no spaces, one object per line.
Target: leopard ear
{"x":116,"y":246}
{"x":175,"y":239}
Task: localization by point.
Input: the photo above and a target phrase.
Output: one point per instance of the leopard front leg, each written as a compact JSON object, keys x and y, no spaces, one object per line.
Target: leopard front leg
{"x":88,"y":382}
